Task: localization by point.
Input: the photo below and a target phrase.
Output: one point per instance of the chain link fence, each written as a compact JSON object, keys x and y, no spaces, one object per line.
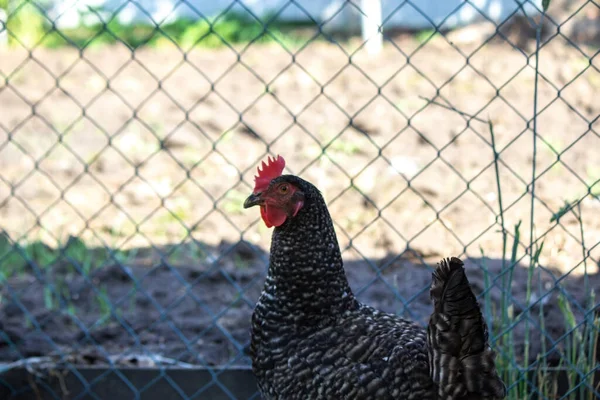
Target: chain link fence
{"x":130,"y":132}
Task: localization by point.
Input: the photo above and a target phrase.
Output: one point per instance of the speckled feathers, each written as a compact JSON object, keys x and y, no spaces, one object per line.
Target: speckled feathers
{"x":311,"y":338}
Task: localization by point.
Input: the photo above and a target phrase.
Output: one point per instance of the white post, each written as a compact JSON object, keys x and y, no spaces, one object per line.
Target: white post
{"x":3,"y":29}
{"x":371,"y":25}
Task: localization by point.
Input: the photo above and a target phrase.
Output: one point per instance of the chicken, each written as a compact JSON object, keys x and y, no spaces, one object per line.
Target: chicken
{"x":312,"y":339}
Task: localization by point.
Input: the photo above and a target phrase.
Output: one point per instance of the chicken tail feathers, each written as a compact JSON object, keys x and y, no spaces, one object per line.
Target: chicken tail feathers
{"x":460,"y":358}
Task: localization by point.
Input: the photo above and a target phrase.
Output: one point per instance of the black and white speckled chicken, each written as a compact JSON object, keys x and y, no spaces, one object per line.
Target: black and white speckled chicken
{"x":311,"y":338}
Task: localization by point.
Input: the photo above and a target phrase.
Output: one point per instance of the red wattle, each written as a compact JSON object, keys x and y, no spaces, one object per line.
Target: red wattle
{"x":272,"y":216}
{"x":263,"y":215}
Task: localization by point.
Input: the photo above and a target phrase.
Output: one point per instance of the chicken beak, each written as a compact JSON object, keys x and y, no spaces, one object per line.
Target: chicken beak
{"x":253,"y":200}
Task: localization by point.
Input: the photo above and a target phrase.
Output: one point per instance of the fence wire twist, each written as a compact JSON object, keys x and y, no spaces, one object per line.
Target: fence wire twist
{"x":127,"y":148}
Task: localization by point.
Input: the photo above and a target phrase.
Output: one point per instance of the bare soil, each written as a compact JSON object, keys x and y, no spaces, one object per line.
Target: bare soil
{"x":200,"y":314}
{"x":166,"y":151}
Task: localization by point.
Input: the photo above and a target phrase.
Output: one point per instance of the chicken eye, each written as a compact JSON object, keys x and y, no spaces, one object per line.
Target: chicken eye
{"x":283,"y":189}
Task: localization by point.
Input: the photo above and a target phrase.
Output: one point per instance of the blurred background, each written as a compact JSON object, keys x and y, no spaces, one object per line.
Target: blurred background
{"x":129,"y":136}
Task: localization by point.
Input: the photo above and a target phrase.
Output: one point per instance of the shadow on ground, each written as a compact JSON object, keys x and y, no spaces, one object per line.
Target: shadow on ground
{"x":198,"y":312}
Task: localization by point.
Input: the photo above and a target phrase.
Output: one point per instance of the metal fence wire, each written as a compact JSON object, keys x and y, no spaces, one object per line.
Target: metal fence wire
{"x":129,"y":137}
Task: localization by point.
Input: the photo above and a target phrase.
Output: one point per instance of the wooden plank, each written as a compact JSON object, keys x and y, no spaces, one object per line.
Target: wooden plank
{"x":129,"y":383}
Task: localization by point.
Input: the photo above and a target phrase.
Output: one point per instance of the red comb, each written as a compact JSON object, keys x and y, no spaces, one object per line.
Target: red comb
{"x":269,"y":171}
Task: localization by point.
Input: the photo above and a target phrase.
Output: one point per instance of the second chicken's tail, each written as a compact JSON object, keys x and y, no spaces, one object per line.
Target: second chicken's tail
{"x":460,"y":358}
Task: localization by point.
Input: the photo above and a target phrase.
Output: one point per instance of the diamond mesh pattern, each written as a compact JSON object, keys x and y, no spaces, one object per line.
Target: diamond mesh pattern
{"x":126,"y":154}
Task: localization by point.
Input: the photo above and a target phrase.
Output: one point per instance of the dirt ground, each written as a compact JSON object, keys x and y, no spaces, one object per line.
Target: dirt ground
{"x":170,"y":311}
{"x":166,"y":151}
